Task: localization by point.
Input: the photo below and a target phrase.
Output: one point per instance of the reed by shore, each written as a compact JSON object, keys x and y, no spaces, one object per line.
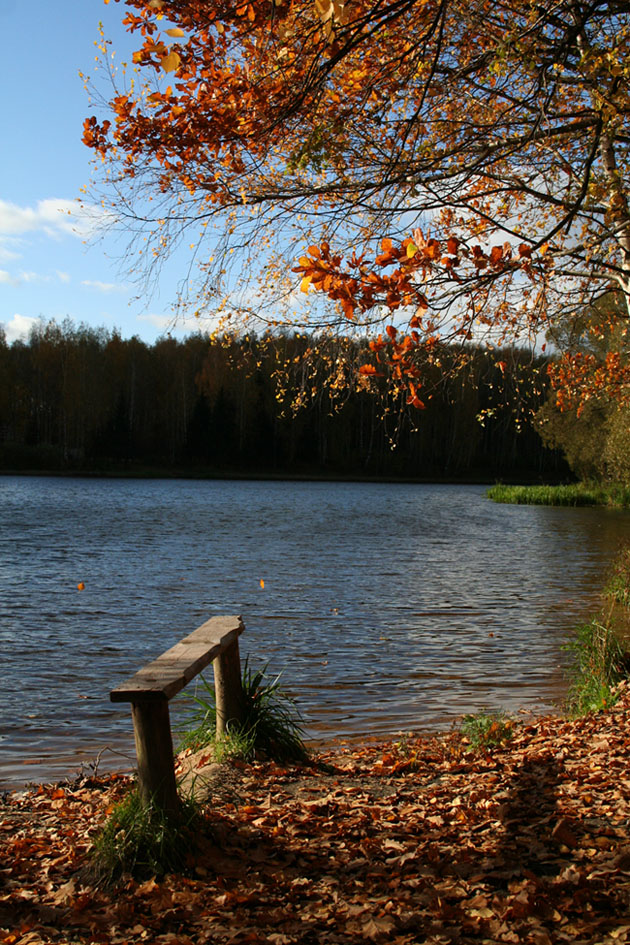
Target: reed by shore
{"x":574,"y":494}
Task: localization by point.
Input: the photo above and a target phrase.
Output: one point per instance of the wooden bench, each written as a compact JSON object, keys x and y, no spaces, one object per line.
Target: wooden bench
{"x":149,"y":691}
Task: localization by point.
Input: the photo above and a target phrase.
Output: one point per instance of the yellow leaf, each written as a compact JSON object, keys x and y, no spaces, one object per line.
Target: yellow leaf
{"x":324,"y":9}
{"x":412,"y":249}
{"x":170,"y":62}
{"x":262,"y":584}
{"x":306,"y":281}
{"x":175,"y":31}
{"x":340,"y":14}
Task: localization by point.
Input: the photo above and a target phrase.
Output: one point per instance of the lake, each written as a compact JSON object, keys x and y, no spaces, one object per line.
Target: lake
{"x":387,"y":607}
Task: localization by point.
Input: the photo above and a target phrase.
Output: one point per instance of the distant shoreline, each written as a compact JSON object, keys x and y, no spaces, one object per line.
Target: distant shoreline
{"x":264,"y":476}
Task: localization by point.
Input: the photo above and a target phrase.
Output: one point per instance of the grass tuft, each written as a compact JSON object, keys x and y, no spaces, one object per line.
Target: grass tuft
{"x":271,"y":726}
{"x":486,"y":730}
{"x":142,"y":840}
{"x":600,"y":661}
{"x":618,"y":587}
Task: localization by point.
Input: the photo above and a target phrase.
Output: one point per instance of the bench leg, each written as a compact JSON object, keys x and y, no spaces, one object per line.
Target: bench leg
{"x":228,"y":687}
{"x":154,"y":751}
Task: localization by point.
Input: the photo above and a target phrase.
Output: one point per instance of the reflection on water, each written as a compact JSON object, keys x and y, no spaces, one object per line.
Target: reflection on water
{"x":387,"y":607}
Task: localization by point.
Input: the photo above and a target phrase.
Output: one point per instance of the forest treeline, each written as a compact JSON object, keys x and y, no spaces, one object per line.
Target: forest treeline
{"x":74,"y":398}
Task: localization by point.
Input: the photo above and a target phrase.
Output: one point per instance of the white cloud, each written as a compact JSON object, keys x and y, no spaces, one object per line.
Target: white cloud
{"x":176,"y":325}
{"x":53,"y":216}
{"x":19,"y":327}
{"x":161,"y":322}
{"x":62,"y":276}
{"x":22,"y":277}
{"x":14,"y":219}
{"x":103,"y":286}
{"x":7,"y":255}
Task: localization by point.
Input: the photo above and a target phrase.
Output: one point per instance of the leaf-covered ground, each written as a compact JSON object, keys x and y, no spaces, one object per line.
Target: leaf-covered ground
{"x":409,"y":842}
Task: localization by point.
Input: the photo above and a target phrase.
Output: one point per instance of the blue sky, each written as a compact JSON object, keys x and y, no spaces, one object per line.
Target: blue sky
{"x":47,"y":270}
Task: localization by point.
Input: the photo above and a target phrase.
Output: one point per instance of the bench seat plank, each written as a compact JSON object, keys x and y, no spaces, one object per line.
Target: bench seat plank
{"x":164,"y":677}
{"x":216,"y":630}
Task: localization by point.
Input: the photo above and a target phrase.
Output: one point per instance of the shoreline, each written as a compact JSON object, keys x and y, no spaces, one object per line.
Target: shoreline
{"x":104,"y":761}
{"x":413,"y":841}
{"x":149,"y":473}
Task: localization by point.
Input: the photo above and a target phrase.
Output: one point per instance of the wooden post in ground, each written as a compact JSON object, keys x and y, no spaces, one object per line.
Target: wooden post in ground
{"x":228,"y":687}
{"x":154,"y":750}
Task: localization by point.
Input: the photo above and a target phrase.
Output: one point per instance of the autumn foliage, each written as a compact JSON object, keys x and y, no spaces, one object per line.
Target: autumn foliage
{"x":450,"y":169}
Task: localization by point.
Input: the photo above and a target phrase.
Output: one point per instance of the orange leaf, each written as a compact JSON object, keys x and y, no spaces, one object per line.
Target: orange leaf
{"x":378,"y":344}
{"x":171,"y":62}
{"x":391,"y":331}
{"x":416,"y":402}
{"x":369,"y":370}
{"x":433,"y":249}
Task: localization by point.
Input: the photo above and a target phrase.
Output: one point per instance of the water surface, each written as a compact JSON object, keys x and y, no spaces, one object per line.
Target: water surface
{"x":388,"y":607}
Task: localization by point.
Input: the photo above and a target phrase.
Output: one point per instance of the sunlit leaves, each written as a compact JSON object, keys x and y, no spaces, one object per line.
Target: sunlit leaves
{"x":369,"y":370}
{"x":332,"y":14}
{"x":171,"y":62}
{"x":468,"y":163}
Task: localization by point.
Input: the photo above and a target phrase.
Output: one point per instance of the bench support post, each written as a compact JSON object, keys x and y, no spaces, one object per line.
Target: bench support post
{"x":150,"y":689}
{"x":228,"y":687}
{"x":154,"y":750}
